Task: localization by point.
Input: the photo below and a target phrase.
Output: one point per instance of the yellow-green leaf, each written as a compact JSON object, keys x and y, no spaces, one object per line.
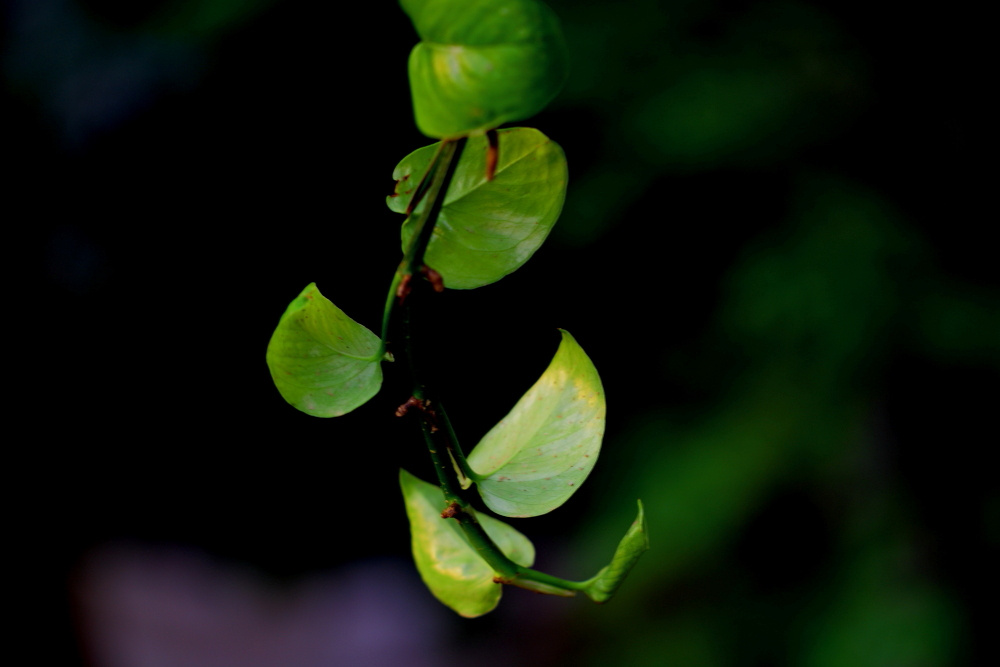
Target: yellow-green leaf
{"x":537,"y":456}
{"x":487,"y":229}
{"x":449,"y":566}
{"x":482,"y":63}
{"x":323,"y":362}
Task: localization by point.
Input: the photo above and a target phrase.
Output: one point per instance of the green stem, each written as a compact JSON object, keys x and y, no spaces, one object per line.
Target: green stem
{"x":446,"y":161}
{"x":434,"y":423}
{"x":390,"y":302}
{"x":440,"y":440}
{"x":430,"y":186}
{"x":527,"y":574}
{"x":456,"y":449}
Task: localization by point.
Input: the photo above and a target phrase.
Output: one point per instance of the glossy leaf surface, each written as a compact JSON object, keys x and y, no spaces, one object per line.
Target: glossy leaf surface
{"x":537,"y":456}
{"x":451,"y":568}
{"x":487,"y":229}
{"x":482,"y":63}
{"x":604,"y":585}
{"x":320,"y":358}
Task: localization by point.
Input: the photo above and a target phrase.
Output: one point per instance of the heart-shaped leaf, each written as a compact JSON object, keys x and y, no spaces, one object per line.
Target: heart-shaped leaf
{"x":451,"y":568}
{"x":537,"y":456}
{"x":482,"y":63}
{"x":487,"y":229}
{"x":323,"y":362}
{"x":606,"y":582}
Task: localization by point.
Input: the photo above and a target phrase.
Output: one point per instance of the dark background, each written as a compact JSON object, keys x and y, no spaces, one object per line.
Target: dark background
{"x":774,"y":248}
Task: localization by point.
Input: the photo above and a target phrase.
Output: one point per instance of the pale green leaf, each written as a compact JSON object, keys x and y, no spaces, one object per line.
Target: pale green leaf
{"x":449,"y":566}
{"x":321,"y":360}
{"x":537,"y":456}
{"x":482,"y":63}
{"x":604,"y":585}
{"x":487,"y":229}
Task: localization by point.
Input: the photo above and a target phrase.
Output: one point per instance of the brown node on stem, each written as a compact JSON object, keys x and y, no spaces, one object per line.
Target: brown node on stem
{"x":451,"y":510}
{"x":404,"y":287}
{"x":435,"y":279}
{"x":411,"y":402}
{"x":492,"y":154}
{"x":430,"y":416}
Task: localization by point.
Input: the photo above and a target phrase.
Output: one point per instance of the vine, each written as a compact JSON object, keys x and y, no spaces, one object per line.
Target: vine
{"x":478,"y":204}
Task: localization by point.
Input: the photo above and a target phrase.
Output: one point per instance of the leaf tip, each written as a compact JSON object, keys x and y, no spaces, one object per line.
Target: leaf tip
{"x":606,"y":583}
{"x":640,"y":521}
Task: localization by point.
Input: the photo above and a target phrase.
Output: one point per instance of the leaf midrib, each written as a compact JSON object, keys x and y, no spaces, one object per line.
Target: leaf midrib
{"x":348,"y":379}
{"x":474,"y":47}
{"x":498,"y":172}
{"x":528,"y":441}
{"x":330,"y":346}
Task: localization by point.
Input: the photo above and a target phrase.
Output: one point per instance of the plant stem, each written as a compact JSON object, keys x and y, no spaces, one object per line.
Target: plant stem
{"x":526,"y":573}
{"x":442,"y":442}
{"x":456,"y":449}
{"x":430,"y":186}
{"x":441,"y":172}
{"x":390,"y":302}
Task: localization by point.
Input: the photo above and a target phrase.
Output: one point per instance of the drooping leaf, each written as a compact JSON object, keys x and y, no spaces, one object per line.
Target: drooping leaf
{"x":537,"y":456}
{"x":482,"y":63}
{"x":449,"y":566}
{"x":604,"y":585}
{"x":487,"y":229}
{"x":320,"y":359}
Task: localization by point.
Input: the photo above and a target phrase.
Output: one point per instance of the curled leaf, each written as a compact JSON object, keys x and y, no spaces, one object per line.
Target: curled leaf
{"x":322,"y":361}
{"x":604,"y":585}
{"x":449,"y":566}
{"x":482,"y":63}
{"x":537,"y":456}
{"x":488,"y":228}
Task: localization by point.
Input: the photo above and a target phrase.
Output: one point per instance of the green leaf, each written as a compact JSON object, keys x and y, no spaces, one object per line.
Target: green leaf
{"x":323,"y":362}
{"x":537,"y":456}
{"x":482,"y":63}
{"x":487,"y":229}
{"x":604,"y":585}
{"x":451,"y":568}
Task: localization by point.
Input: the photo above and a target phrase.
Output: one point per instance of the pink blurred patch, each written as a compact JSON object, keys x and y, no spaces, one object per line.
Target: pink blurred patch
{"x":146,"y":607}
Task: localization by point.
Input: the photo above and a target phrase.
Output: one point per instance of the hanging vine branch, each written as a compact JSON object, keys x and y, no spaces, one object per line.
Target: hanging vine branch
{"x":478,"y":204}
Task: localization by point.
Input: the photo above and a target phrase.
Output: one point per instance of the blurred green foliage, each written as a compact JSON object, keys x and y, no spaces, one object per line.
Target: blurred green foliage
{"x":810,"y":314}
{"x":683,"y":90}
{"x":205,"y":19}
